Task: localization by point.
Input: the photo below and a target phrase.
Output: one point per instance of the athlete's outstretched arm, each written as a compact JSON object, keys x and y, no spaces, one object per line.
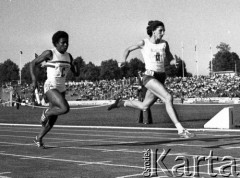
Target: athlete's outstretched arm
{"x":45,"y":56}
{"x":132,"y":48}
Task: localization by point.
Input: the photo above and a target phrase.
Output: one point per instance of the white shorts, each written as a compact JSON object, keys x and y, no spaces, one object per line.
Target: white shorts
{"x":48,"y":85}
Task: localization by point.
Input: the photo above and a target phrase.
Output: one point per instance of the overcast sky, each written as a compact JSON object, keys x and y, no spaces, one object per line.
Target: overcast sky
{"x":102,"y":29}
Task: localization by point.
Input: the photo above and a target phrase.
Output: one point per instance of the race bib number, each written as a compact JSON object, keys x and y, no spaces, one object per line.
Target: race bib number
{"x":149,"y":72}
{"x":159,"y":57}
{"x":61,"y":71}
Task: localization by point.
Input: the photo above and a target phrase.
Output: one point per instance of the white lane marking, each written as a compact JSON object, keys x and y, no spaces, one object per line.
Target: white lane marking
{"x":94,"y":163}
{"x":42,"y":156}
{"x":71,"y":161}
{"x":122,"y":128}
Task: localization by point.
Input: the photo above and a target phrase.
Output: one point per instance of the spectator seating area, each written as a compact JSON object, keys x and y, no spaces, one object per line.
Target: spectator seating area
{"x":204,"y":86}
{"x":187,"y":87}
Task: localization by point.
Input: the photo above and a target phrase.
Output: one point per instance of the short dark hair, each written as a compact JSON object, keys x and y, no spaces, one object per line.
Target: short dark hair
{"x":56,"y":36}
{"x":153,"y":25}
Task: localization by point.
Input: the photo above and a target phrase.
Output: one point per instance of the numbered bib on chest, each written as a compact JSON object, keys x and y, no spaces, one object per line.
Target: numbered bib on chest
{"x":159,"y":56}
{"x":61,"y":70}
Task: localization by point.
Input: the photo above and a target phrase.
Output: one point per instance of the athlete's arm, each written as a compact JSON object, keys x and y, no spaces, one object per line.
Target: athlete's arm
{"x":74,"y":66}
{"x":132,"y":48}
{"x":45,"y":56}
{"x":169,"y":55}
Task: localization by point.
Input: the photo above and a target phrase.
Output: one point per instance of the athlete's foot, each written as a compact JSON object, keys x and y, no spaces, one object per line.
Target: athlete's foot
{"x":44,"y":118}
{"x":38,"y":143}
{"x":147,"y":122}
{"x":186,"y":134}
{"x":118,"y":103}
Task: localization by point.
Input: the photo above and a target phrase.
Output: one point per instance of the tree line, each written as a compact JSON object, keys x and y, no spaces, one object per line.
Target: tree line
{"x":108,"y":70}
{"x":223,"y":60}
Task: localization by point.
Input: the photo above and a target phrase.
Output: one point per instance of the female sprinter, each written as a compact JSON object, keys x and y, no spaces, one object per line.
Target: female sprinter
{"x":58,"y":63}
{"x":156,"y":55}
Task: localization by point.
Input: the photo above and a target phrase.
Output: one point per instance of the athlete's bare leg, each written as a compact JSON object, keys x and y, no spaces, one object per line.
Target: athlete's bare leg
{"x":160,"y":91}
{"x":47,"y":127}
{"x":157,"y":90}
{"x":58,"y":105}
{"x":149,"y":100}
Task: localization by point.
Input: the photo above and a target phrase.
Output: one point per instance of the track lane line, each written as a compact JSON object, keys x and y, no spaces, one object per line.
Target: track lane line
{"x":123,"y":128}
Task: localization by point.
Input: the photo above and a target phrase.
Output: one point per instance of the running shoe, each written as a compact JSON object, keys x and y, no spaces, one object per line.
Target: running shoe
{"x":116,"y":104}
{"x":39,"y":143}
{"x":44,"y":118}
{"x":186,"y":134}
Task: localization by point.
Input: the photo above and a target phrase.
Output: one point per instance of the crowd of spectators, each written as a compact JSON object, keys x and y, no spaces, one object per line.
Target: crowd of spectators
{"x":187,"y":87}
{"x":204,"y":86}
{"x":102,"y":90}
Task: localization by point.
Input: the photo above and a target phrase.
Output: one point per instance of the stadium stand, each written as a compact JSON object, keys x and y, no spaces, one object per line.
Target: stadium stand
{"x":188,"y":87}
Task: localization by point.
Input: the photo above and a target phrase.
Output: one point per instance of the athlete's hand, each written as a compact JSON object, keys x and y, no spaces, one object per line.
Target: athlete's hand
{"x":174,"y":62}
{"x":75,"y":67}
{"x":121,"y":64}
{"x":75,"y":62}
{"x":33,"y":86}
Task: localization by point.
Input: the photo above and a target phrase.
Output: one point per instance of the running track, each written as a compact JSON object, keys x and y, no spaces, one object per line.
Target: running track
{"x":107,"y":152}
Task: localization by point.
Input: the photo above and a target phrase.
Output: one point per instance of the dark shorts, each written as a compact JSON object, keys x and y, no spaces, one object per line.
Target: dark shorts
{"x":160,"y":76}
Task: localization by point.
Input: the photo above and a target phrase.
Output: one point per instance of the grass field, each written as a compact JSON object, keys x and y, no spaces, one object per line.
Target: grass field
{"x":190,"y":115}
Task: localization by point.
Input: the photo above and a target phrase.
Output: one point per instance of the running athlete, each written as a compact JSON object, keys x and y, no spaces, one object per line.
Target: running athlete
{"x":58,"y":63}
{"x":156,"y":55}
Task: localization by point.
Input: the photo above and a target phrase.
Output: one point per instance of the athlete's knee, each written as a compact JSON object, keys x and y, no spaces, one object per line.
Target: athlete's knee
{"x":64,"y":109}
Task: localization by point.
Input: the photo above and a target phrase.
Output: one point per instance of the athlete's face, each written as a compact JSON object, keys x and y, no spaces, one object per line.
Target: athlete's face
{"x":62,"y":45}
{"x":159,"y":32}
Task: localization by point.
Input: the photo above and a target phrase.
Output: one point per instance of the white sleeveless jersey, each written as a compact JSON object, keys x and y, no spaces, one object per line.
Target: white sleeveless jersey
{"x":57,"y":70}
{"x":154,"y":56}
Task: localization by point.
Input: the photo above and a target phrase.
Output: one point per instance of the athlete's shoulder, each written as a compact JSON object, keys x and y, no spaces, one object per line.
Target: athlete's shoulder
{"x":70,"y":55}
{"x":145,"y":40}
{"x":166,"y":43}
{"x":142,"y":43}
{"x":47,"y":52}
{"x":71,"y":58}
{"x":45,"y":56}
{"x":163,"y":42}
